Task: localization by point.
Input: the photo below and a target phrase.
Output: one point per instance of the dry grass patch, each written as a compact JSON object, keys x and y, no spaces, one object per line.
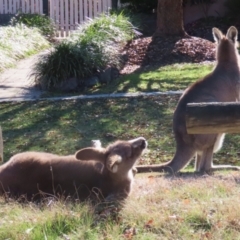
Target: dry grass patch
{"x":161,"y":207}
{"x":188,"y":207}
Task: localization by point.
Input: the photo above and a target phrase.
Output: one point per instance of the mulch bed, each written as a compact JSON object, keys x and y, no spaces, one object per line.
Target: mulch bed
{"x":151,"y":52}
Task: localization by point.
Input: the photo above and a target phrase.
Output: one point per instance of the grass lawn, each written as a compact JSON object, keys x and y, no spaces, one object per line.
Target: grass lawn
{"x":65,"y":126}
{"x":170,"y":77}
{"x":181,"y":207}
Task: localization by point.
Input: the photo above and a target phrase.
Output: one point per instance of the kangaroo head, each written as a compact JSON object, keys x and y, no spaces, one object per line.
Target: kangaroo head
{"x":227,"y":45}
{"x":232,"y":34}
{"x":118,"y":157}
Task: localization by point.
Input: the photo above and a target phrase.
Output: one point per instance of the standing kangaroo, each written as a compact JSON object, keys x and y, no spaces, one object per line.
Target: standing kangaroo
{"x":221,"y":85}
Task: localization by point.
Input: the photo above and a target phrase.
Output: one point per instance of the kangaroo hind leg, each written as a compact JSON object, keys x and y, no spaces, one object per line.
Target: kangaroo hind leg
{"x":182,"y":157}
{"x":204,"y":160}
{"x":205,"y":163}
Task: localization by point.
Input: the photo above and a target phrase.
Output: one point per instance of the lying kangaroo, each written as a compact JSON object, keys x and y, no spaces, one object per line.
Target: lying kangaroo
{"x":221,"y":85}
{"x":100,"y":173}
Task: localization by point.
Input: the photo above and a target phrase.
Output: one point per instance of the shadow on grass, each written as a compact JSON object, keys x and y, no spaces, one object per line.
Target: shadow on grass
{"x":65,"y":126}
{"x":162,"y":69}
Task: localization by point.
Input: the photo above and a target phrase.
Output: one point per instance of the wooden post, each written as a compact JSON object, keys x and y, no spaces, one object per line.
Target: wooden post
{"x":207,"y":118}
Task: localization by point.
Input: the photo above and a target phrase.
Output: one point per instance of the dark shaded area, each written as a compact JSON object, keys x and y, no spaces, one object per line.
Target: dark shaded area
{"x":151,"y":52}
{"x":65,"y":126}
{"x":5,"y":19}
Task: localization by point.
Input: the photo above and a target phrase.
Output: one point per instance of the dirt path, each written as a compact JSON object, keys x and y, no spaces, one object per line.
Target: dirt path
{"x":16,"y":83}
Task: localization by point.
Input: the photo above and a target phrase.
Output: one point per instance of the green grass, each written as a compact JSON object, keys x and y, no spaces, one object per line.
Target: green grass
{"x":184,"y":207}
{"x":65,"y":126}
{"x":168,"y":78}
{"x":171,"y":77}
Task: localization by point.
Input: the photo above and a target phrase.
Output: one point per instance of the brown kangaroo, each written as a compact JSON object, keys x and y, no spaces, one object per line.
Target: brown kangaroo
{"x":95,"y":173}
{"x":221,"y":85}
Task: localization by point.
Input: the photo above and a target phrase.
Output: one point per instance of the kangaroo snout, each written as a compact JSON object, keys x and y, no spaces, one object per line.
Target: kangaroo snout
{"x":140,"y":142}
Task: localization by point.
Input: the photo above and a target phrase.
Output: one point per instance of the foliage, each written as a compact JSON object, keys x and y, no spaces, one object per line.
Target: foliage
{"x":44,"y":23}
{"x":93,"y":47}
{"x":141,"y":5}
{"x":17,"y":42}
{"x":196,"y":2}
{"x":148,"y":6}
{"x":233,"y":7}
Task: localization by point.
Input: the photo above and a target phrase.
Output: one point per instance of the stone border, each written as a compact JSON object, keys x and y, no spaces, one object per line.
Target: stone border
{"x":96,"y":96}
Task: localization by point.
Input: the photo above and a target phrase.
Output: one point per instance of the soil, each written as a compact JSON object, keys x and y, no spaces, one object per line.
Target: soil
{"x":148,"y":52}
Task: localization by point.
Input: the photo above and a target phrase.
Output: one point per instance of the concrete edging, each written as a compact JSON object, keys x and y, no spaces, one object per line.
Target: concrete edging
{"x":96,"y":96}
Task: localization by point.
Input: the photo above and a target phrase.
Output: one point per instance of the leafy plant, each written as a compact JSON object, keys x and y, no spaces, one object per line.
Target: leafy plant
{"x":17,"y":42}
{"x":141,"y":5}
{"x":42,"y":22}
{"x":233,"y":7}
{"x":93,"y":47}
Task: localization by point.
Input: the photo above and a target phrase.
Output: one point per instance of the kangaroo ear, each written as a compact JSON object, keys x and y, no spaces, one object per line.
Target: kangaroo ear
{"x":217,"y":34}
{"x":91,"y":153}
{"x":232,"y":34}
{"x":113,"y":162}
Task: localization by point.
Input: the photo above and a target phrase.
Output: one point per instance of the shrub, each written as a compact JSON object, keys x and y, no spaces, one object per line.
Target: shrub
{"x":233,"y":7}
{"x":67,"y":60}
{"x":93,"y":47}
{"x":141,"y":5}
{"x":17,"y":42}
{"x":42,"y":22}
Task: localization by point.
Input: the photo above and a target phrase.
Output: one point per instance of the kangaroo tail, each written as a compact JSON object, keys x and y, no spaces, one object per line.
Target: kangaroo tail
{"x":155,"y":168}
{"x":181,"y":158}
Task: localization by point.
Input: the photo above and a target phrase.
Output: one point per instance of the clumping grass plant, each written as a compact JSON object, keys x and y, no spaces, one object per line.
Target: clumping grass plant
{"x":44,"y":23}
{"x":93,"y":47}
{"x":17,"y":42}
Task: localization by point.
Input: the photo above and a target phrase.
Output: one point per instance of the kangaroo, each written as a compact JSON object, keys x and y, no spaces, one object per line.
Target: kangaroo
{"x":221,"y":85}
{"x":92,"y":173}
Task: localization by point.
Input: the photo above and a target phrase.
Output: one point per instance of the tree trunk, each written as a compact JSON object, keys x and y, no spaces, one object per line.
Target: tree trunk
{"x":170,"y":18}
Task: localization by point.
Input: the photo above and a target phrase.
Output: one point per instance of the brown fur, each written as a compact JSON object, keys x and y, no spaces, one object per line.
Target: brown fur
{"x":221,"y":85}
{"x":91,"y":172}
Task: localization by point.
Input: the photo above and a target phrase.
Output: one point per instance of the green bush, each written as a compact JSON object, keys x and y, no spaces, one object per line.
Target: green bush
{"x":42,"y":22}
{"x":233,"y":7}
{"x":67,"y":60}
{"x":141,"y":5}
{"x":17,"y":42}
{"x":93,"y":47}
